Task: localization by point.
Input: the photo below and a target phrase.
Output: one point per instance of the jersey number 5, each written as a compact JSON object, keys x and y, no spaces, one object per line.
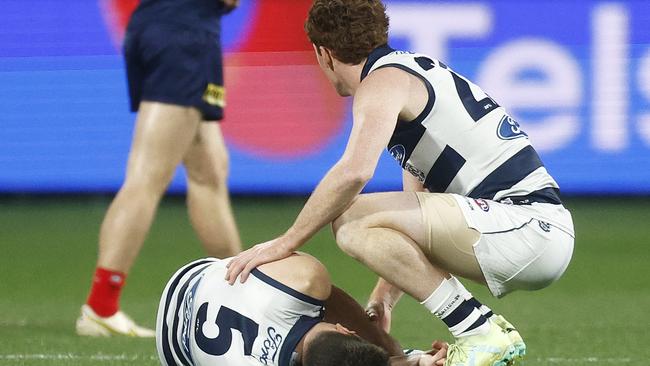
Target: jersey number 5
{"x":227,"y":319}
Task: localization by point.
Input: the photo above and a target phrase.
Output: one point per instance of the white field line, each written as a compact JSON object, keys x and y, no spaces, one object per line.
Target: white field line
{"x":572,"y":360}
{"x":125,"y":357}
{"x":13,"y":323}
{"x":72,"y":356}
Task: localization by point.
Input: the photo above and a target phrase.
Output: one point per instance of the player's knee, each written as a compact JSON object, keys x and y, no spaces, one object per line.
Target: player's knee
{"x":151,"y":180}
{"x":348,"y":216}
{"x":213,"y":174}
{"x":349,"y":238}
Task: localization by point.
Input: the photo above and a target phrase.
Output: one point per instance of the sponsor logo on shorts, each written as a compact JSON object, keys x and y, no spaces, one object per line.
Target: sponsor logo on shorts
{"x":544,"y":226}
{"x":215,"y":95}
{"x":482,"y":204}
{"x":469,"y":203}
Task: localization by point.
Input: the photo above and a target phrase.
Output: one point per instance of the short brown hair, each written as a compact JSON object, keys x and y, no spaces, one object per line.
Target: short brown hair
{"x":336,"y":349}
{"x":351,"y":29}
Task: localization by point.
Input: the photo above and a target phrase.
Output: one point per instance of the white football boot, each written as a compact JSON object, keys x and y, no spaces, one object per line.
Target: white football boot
{"x":93,"y":325}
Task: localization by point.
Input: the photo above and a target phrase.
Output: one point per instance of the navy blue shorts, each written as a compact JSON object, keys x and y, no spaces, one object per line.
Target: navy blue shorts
{"x":175,"y":65}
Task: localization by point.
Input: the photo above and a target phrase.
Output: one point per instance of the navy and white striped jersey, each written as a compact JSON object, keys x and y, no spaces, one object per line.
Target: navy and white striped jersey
{"x":202,"y":320}
{"x":463,"y":142}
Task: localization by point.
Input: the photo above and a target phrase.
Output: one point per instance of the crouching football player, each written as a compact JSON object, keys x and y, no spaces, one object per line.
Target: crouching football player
{"x":287,"y":313}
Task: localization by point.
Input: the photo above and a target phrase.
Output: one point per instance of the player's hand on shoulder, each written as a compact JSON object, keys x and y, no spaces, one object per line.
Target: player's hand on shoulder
{"x":242,"y":264}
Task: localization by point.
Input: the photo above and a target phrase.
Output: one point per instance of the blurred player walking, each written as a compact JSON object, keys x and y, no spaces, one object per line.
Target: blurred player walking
{"x":175,"y":74}
{"x":477,"y":200}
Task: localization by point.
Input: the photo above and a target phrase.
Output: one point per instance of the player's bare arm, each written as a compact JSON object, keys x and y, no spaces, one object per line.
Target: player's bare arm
{"x":378,"y":103}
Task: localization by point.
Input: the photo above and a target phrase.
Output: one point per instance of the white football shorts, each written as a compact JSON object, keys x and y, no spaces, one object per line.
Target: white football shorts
{"x":521,"y":247}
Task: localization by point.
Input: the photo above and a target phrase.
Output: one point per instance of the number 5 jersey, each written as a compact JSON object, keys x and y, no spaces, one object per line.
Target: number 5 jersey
{"x":202,"y":320}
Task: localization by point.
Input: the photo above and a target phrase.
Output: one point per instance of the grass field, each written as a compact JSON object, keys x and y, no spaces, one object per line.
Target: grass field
{"x":597,"y":314}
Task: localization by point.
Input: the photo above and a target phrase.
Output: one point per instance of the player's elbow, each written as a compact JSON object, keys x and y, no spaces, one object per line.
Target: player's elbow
{"x":358,"y":176}
{"x":365,"y":175}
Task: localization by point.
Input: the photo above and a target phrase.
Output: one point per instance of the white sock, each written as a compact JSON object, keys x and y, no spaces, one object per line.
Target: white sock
{"x":449,"y":305}
{"x":470,"y":298}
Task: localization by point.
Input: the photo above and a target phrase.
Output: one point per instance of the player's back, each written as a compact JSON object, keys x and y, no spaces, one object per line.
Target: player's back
{"x":463,"y":142}
{"x":202,"y":320}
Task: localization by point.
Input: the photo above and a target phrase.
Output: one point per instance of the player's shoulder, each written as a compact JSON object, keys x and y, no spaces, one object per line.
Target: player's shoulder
{"x":301,"y":272}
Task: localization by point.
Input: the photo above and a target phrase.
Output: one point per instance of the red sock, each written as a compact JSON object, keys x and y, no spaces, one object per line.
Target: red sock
{"x":105,"y":293}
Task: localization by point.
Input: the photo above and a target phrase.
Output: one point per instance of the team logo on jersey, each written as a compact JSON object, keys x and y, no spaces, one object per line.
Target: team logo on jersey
{"x":482,"y":204}
{"x":509,"y":129}
{"x":398,"y":152}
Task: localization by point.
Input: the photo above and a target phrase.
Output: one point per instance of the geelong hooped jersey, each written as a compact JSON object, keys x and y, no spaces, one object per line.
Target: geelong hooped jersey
{"x":202,"y":320}
{"x":463,"y":142}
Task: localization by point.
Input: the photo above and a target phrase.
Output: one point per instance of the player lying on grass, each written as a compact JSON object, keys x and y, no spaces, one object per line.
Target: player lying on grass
{"x":287,"y":313}
{"x":478,"y":203}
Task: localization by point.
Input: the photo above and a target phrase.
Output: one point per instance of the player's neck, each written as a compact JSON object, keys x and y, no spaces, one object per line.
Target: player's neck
{"x":351,"y":76}
{"x":300,"y":347}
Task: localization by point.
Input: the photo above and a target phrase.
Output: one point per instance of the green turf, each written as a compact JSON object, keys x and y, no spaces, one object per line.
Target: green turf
{"x":597,"y":314}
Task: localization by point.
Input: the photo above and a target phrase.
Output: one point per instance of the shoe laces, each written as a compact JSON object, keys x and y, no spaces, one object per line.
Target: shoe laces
{"x":455,"y":355}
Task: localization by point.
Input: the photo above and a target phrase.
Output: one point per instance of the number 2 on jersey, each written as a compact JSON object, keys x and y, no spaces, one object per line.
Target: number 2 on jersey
{"x":227,"y":320}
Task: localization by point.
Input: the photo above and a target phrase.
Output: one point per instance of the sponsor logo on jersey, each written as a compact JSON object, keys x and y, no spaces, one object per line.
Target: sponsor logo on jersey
{"x":415,"y":171}
{"x":270,"y":346}
{"x":398,"y":152}
{"x":509,"y":129}
{"x":215,"y":95}
{"x":482,"y":204}
{"x":188,"y":305}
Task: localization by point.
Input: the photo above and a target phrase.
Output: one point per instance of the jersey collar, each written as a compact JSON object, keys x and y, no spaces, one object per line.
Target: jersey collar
{"x":373,"y":57}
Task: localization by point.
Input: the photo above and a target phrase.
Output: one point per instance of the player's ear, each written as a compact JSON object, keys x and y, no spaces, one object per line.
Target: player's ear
{"x":327,"y":57}
{"x":317,"y":49}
